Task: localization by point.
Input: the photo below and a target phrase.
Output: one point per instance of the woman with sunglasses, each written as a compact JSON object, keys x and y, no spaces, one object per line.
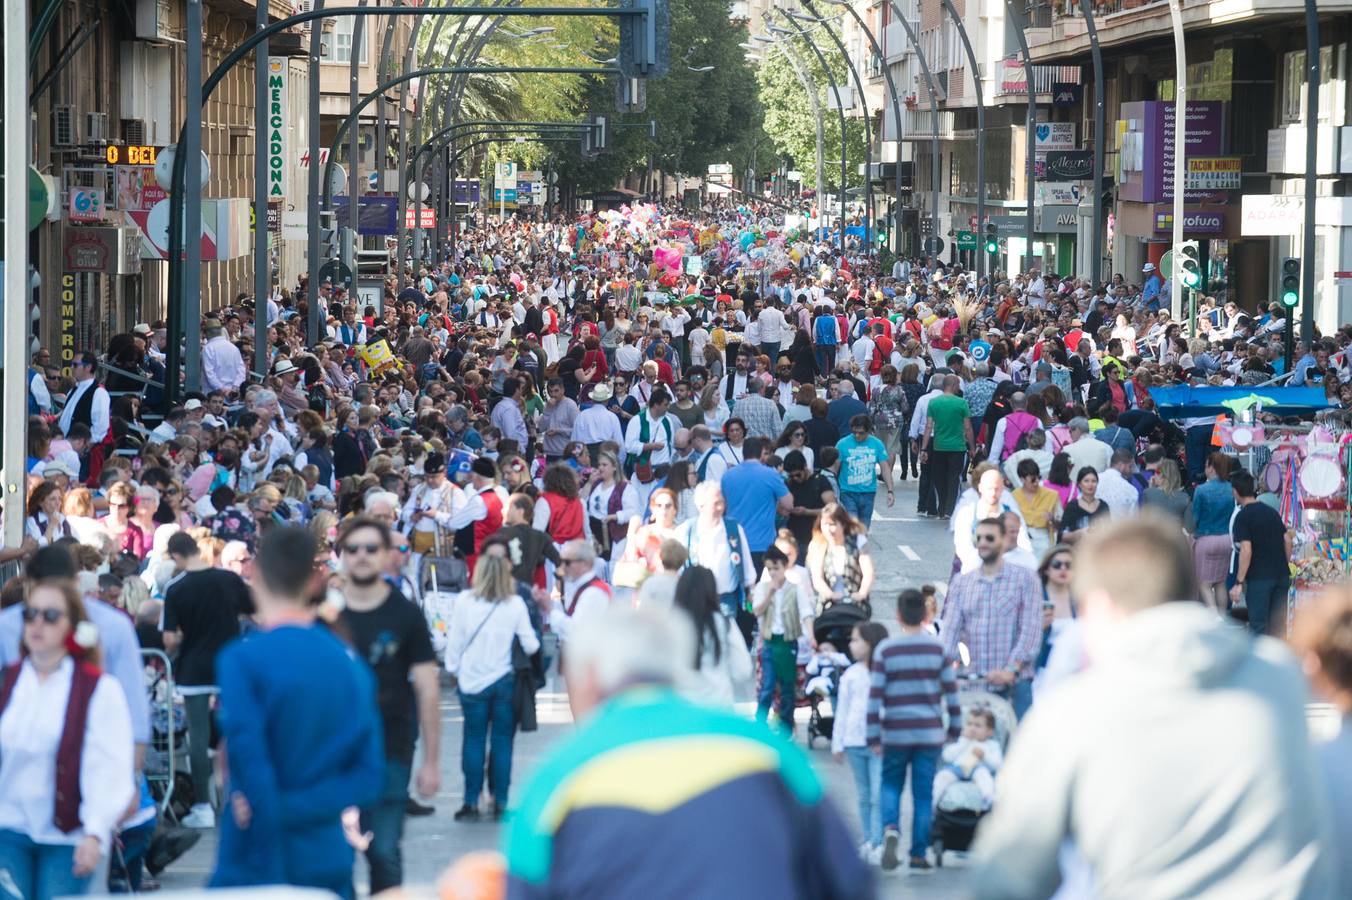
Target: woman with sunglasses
{"x":62,"y":793}
{"x":794,"y":437}
{"x":644,"y":543}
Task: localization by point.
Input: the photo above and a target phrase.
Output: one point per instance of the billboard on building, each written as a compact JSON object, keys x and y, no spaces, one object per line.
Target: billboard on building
{"x":1146,"y":136}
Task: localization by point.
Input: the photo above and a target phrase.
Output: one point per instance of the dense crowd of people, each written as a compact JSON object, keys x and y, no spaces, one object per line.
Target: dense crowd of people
{"x":649,"y":443}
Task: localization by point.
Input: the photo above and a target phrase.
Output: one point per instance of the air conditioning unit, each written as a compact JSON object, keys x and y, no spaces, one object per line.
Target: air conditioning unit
{"x":134,"y":131}
{"x":63,"y":126}
{"x":153,"y":20}
{"x":96,"y":127}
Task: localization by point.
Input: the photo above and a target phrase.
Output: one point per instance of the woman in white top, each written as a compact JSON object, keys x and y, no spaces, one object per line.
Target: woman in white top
{"x":46,"y":523}
{"x":485,"y":620}
{"x":50,"y":847}
{"x":794,"y":437}
{"x":715,"y":410}
{"x":1125,"y":333}
{"x":721,"y":663}
{"x":611,"y":503}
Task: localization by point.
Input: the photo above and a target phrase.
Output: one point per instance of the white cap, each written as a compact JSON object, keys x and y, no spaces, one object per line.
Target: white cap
{"x":1148,"y":267}
{"x":192,"y":404}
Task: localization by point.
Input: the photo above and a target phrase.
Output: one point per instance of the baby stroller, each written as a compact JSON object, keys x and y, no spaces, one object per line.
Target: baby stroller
{"x":959,"y":810}
{"x":835,"y":624}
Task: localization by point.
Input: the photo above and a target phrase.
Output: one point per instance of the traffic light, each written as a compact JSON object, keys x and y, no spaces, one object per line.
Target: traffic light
{"x":1189,"y":263}
{"x":1291,"y":282}
{"x":992,"y":238}
{"x":328,"y":235}
{"x":645,"y":48}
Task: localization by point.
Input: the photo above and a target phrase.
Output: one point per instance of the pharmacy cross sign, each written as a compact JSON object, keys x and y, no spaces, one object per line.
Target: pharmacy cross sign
{"x":276,"y":127}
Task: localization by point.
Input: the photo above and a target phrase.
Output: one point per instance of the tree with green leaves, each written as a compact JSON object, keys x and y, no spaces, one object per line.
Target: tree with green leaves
{"x":788,"y":111}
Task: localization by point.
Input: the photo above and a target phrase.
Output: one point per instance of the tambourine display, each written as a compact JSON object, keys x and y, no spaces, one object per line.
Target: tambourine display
{"x":1322,"y":482}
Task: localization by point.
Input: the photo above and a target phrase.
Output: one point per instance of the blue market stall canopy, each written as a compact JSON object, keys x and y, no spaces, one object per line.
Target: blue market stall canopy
{"x":1186,"y":401}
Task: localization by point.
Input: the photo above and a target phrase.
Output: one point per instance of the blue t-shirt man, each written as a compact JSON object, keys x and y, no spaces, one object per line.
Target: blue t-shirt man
{"x":752,"y":491}
{"x":858,"y":463}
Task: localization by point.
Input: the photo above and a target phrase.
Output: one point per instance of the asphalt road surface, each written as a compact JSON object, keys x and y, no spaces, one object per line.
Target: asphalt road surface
{"x":909,"y":551}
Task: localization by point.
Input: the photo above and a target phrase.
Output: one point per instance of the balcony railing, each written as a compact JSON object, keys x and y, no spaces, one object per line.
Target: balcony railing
{"x":1014,"y":79}
{"x":1059,"y":8}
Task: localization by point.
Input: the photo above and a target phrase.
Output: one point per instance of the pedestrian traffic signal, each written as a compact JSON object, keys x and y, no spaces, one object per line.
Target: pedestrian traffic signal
{"x":1291,"y":282}
{"x":645,"y":48}
{"x":328,"y":235}
{"x":1189,"y":262}
{"x":992,"y":238}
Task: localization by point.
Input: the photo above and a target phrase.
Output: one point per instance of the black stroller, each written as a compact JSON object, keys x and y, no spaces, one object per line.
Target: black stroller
{"x":835,"y":624}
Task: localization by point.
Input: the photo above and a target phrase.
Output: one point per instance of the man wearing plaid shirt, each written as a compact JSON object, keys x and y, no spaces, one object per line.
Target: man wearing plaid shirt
{"x":760,"y":412}
{"x":995,"y":610}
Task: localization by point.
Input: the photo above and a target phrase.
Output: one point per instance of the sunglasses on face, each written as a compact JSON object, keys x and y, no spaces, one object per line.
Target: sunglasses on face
{"x":50,"y":616}
{"x":987,"y":538}
{"x":370,"y":549}
{"x":1059,"y":564}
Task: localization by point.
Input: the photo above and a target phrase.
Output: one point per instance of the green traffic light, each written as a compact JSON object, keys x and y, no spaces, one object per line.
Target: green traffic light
{"x":1290,"y":299}
{"x":992,"y":247}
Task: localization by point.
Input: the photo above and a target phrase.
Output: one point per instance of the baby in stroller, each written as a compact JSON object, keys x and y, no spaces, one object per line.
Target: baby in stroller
{"x":824,"y":669}
{"x":967,"y":779}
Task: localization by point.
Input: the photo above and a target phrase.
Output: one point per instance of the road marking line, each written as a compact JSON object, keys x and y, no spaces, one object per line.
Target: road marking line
{"x":908,"y":553}
{"x":878,"y":518}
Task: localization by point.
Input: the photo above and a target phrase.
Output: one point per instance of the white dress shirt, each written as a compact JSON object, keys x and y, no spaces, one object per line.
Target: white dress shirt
{"x":709,"y":547}
{"x":452,"y":508}
{"x":657,"y":432}
{"x":1088,"y":451}
{"x":772,"y":330}
{"x":1118,"y":493}
{"x":478,"y":656}
{"x":99,"y":410}
{"x":37,"y":387}
{"x":596,"y":424}
{"x":223,"y":366}
{"x":30,"y":732}
{"x":592,"y":601}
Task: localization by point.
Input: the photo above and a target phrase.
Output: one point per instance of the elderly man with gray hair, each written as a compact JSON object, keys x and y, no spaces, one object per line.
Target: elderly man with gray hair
{"x":719,"y":544}
{"x":746,"y":809}
{"x":1086,"y":450}
{"x":223,"y":366}
{"x":582,"y":593}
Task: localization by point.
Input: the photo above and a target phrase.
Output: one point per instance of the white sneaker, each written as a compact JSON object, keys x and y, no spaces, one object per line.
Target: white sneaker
{"x":875,"y":855}
{"x":200,"y":816}
{"x":888,"y":857}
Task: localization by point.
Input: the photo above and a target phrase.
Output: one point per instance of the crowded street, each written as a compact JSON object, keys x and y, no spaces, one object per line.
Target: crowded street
{"x":676,"y":449}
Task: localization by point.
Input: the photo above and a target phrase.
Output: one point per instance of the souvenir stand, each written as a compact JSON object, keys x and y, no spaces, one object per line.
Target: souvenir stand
{"x":1305,"y":466}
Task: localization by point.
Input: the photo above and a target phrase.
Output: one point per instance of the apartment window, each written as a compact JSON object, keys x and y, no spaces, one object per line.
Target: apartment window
{"x":1332,"y":66}
{"x":338,"y":44}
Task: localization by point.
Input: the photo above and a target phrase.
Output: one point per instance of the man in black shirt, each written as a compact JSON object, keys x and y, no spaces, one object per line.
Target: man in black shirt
{"x":202,"y":609}
{"x":390,"y":633}
{"x":1263,"y":575}
{"x":810,"y":492}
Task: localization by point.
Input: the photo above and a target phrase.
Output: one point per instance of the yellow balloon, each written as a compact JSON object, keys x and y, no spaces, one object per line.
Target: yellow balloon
{"x":795,"y":256}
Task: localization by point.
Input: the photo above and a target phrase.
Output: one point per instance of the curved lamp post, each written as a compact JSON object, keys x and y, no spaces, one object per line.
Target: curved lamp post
{"x":1016,"y":13}
{"x":799,"y":31}
{"x":868,"y":122}
{"x":981,"y":260}
{"x":805,"y":78}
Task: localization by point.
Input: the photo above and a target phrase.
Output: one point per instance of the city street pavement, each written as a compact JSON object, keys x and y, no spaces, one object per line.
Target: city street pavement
{"x":909,"y":552}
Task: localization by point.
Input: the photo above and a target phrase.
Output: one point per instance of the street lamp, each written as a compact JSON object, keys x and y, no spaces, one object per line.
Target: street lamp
{"x":868,"y":123}
{"x":799,"y":31}
{"x":981,"y":260}
{"x":700,"y":69}
{"x":810,"y":87}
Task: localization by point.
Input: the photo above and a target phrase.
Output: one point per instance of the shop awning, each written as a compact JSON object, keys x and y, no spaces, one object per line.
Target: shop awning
{"x":1186,"y":401}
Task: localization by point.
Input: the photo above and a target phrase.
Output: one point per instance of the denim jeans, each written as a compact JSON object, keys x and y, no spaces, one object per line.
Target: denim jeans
{"x":785,"y":677}
{"x":384,"y":820}
{"x":491,"y":706}
{"x":126,"y":869}
{"x":859,"y":504}
{"x":826,"y":359}
{"x":37,"y":871}
{"x":1266,"y":599}
{"x":946,"y":471}
{"x":922,"y":762}
{"x":770,"y":349}
{"x":868,"y":772}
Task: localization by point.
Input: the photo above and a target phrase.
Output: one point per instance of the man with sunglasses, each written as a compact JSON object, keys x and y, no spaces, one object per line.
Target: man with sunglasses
{"x":390,"y":633}
{"x":996,"y":610}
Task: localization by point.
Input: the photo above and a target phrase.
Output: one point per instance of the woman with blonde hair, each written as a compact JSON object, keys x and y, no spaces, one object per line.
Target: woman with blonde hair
{"x":1166,"y":493}
{"x":58,"y":812}
{"x":838,"y":559}
{"x":716,"y":412}
{"x":126,"y":535}
{"x":611,"y":504}
{"x":485,"y":621}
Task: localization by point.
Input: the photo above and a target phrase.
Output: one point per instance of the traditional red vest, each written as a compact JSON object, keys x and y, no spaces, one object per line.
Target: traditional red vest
{"x":70,"y":750}
{"x":565,"y":517}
